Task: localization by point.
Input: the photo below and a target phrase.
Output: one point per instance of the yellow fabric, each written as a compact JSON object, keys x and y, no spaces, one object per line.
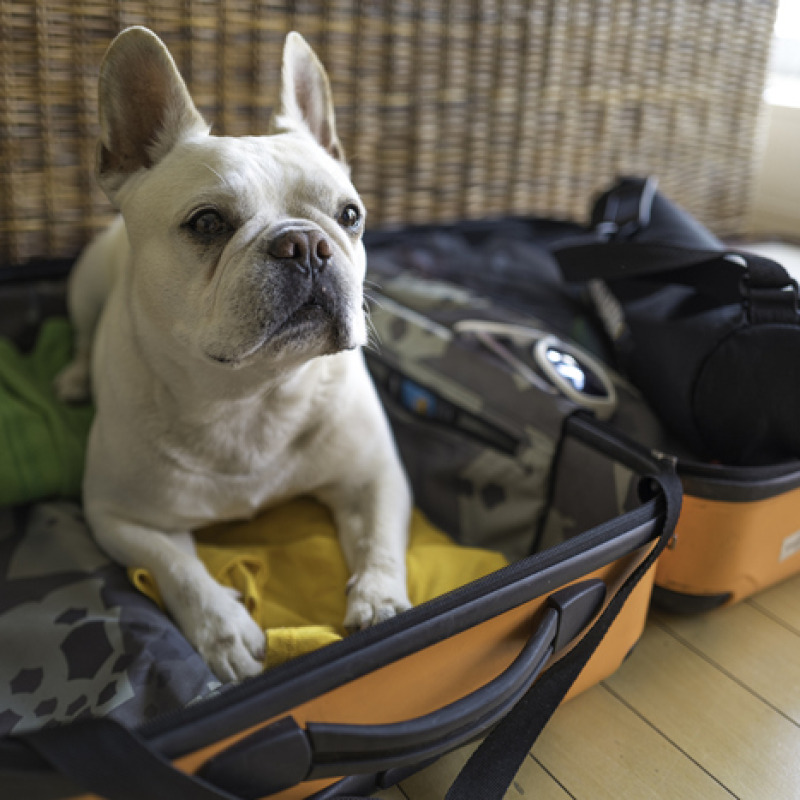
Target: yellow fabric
{"x":290,"y":572}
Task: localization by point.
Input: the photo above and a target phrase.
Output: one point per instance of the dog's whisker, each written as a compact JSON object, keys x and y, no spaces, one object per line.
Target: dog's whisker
{"x":373,"y":336}
{"x":378,"y":301}
{"x":222,"y":178}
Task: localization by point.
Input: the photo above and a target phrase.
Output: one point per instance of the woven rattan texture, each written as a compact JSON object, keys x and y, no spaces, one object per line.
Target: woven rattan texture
{"x":447,"y":110}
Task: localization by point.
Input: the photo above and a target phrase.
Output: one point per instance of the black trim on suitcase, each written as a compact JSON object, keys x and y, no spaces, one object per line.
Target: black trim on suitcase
{"x":680,"y":603}
{"x":738,"y":484}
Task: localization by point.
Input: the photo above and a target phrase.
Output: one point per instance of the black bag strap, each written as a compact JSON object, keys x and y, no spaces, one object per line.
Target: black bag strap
{"x":766,"y":291}
{"x":637,"y":233}
{"x":491,"y":768}
{"x":612,"y":260}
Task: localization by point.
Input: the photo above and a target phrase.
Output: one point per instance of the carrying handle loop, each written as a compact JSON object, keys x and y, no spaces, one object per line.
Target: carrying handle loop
{"x":254,"y":767}
{"x":769,"y":293}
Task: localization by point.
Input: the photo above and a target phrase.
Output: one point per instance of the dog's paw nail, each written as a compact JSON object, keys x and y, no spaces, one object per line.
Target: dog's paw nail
{"x":257,"y":645}
{"x":233,"y":663}
{"x":383,"y":613}
{"x":230,"y":641}
{"x":369,"y":605}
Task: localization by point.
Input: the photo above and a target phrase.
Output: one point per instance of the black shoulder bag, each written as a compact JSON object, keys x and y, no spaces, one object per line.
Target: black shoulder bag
{"x":710,"y":335}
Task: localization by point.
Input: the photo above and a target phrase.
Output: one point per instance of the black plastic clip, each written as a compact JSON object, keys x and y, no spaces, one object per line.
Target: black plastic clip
{"x":769,"y":294}
{"x":626,"y":209}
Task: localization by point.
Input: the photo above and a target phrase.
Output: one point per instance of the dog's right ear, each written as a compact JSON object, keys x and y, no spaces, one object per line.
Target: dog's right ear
{"x":145,"y":107}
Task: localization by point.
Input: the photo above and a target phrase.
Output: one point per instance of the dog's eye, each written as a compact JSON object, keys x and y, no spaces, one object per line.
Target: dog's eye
{"x":208,"y":223}
{"x":350,"y":217}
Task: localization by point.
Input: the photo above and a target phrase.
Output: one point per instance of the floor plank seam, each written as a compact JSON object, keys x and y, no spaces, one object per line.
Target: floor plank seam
{"x":553,"y":777}
{"x":753,"y":603}
{"x":720,"y":668}
{"x":667,"y":739}
{"x":399,"y":787}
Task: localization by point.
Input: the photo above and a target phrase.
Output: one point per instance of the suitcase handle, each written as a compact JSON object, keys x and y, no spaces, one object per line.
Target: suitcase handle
{"x":284,"y":753}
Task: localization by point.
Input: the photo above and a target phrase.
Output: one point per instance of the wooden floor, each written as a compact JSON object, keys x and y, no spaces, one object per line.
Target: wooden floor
{"x":706,"y":707}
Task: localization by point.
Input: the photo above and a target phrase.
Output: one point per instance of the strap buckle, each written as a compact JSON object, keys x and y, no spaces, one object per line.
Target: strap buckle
{"x":626,"y":209}
{"x":770,"y":305}
{"x":769,"y":293}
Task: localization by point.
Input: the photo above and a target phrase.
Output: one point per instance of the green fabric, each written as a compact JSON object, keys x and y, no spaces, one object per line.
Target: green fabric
{"x":42,"y":440}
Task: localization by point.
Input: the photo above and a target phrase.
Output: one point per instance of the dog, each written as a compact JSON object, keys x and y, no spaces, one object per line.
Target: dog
{"x":219,"y":325}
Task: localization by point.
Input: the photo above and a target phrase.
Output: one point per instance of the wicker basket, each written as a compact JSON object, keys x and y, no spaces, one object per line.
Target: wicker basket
{"x":446,"y":109}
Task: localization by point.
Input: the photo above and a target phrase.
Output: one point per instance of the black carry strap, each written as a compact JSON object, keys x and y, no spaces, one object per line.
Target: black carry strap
{"x":766,"y":290}
{"x":491,"y":768}
{"x":637,"y":233}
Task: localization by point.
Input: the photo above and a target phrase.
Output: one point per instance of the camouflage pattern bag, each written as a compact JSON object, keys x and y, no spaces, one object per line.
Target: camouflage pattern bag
{"x":478,"y":391}
{"x":78,"y":640}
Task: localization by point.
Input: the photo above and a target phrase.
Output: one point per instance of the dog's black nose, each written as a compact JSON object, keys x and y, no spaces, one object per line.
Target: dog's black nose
{"x":309,"y":250}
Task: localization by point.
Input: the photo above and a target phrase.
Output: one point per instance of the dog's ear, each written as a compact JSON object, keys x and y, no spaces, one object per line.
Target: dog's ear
{"x":306,"y":102}
{"x":145,"y":107}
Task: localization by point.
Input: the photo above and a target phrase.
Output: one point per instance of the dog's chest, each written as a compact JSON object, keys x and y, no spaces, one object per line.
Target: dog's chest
{"x":237,"y":463}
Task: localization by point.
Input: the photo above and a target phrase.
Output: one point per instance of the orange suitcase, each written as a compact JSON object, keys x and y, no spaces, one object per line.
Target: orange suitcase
{"x":739,"y":532}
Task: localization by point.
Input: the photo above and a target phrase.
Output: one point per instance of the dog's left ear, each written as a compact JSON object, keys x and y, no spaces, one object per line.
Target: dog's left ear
{"x":306,"y":101}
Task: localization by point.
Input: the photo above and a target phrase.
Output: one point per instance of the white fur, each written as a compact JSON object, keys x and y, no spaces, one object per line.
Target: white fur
{"x":202,"y":414}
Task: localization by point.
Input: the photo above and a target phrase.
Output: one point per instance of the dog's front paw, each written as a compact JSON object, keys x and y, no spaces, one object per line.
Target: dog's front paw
{"x":228,"y":638}
{"x":73,"y":383}
{"x":373,"y":597}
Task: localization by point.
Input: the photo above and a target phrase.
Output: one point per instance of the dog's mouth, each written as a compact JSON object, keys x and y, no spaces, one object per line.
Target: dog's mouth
{"x":318,"y":309}
{"x":316,"y":324}
{"x":311,"y":309}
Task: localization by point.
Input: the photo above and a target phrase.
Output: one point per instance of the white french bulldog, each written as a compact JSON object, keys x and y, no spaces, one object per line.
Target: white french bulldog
{"x":226,"y":365}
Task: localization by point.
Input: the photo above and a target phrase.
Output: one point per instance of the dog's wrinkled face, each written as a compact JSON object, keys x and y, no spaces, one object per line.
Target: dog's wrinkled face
{"x":244,"y":249}
{"x":250,"y":248}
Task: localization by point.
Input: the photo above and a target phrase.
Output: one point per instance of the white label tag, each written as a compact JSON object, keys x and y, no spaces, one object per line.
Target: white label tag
{"x":790,"y":546}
